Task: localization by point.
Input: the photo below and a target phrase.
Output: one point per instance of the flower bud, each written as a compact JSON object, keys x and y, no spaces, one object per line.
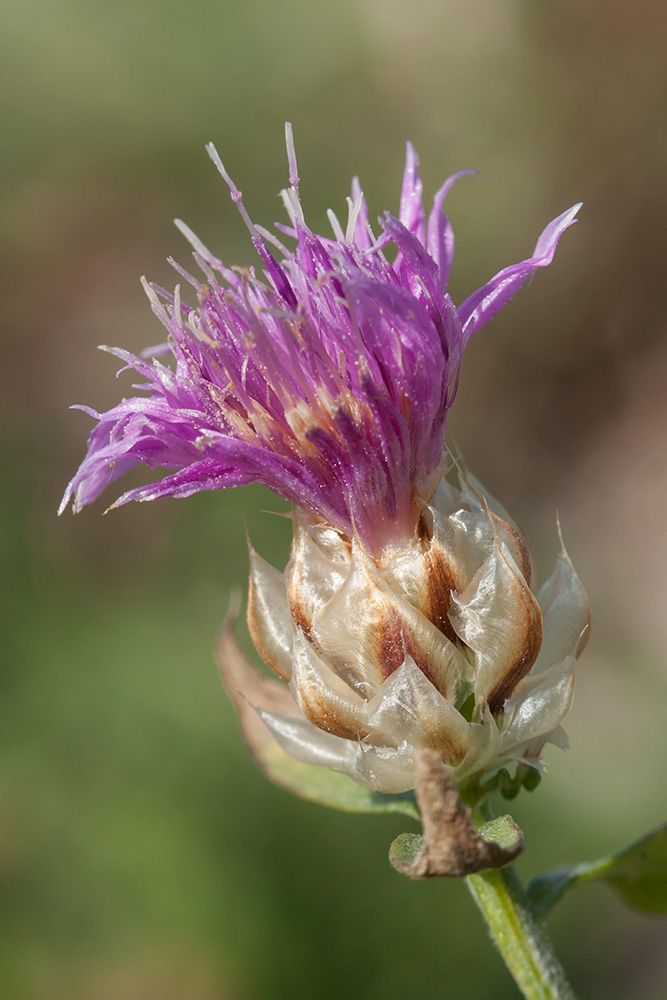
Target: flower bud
{"x":438,"y":644}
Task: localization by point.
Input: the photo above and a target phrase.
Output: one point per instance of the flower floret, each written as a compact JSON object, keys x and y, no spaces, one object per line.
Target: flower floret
{"x":328,"y":377}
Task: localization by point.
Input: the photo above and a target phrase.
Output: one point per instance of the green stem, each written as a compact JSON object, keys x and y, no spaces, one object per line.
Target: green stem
{"x":526,"y":950}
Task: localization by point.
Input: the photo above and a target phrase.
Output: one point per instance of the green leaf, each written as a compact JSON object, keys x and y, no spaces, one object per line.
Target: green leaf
{"x":321,"y":784}
{"x":451,"y":846}
{"x":508,"y":786}
{"x":404,"y":849}
{"x":638,"y":873}
{"x":503,"y":831}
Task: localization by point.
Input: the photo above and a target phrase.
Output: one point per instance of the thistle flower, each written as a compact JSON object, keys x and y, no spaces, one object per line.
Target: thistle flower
{"x":405,"y":618}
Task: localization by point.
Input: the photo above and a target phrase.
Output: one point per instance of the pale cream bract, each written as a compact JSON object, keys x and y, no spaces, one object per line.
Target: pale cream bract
{"x":441,"y":643}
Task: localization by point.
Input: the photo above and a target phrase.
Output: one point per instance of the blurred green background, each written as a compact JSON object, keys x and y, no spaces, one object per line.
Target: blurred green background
{"x":142,"y":856}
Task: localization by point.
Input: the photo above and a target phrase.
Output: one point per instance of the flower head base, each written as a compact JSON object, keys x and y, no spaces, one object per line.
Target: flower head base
{"x":441,"y":644}
{"x":328,"y":378}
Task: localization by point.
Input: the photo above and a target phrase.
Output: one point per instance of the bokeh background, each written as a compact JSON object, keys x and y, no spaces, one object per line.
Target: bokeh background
{"x":142,"y":856}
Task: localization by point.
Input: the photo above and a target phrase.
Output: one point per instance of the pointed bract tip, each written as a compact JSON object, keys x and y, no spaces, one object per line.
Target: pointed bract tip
{"x":234,"y":609}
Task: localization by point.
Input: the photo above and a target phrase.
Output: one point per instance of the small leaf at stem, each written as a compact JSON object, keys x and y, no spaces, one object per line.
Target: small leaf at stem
{"x":451,"y":846}
{"x":404,"y":849}
{"x":504,"y":832}
{"x":638,"y":873}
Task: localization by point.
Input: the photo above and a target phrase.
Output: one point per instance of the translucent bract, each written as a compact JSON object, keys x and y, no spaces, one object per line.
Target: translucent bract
{"x":441,"y":644}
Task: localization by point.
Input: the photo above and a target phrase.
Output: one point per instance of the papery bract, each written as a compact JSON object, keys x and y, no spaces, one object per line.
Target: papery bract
{"x":384,"y":658}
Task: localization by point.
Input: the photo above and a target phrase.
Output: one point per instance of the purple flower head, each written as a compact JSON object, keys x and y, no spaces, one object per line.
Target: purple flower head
{"x":327,"y":376}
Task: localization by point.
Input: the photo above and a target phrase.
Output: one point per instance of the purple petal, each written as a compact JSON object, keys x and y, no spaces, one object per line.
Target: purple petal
{"x":483,"y":304}
{"x":440,"y":235}
{"x":330,"y":381}
{"x":416,"y":269}
{"x":361,"y":237}
{"x":402,"y":340}
{"x":411,"y":211}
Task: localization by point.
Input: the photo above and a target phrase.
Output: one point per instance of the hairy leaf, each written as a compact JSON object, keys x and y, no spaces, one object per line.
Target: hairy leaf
{"x":638,"y":873}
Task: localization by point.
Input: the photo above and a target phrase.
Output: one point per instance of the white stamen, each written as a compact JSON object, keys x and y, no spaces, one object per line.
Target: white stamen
{"x":273,"y":240}
{"x":291,"y":156}
{"x":197,"y":244}
{"x":237,"y":197}
{"x":288,"y":202}
{"x":336,"y":226}
{"x":205,"y":269}
{"x":157,"y":306}
{"x":183,"y":273}
{"x":157,"y":351}
{"x":353,"y":207}
{"x":369,"y":230}
{"x":195,"y":323}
